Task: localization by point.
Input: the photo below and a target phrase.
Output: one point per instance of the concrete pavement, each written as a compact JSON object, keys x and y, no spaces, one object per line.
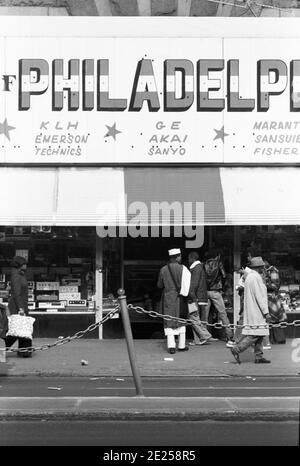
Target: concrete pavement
{"x":139,"y":408}
{"x":110,"y":358}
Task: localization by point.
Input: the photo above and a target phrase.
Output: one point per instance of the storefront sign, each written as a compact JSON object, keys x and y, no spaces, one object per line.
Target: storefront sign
{"x":155,"y":100}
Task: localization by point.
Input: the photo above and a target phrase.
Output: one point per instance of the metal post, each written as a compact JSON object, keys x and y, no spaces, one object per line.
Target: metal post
{"x":129,"y":341}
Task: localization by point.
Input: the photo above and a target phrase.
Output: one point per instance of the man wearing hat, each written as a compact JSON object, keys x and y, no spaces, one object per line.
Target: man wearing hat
{"x":18,"y":302}
{"x":175,"y":280}
{"x":256,"y":312}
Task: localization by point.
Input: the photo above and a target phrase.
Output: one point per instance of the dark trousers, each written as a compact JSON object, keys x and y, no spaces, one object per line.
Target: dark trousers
{"x":22,"y":343}
{"x":249,"y":340}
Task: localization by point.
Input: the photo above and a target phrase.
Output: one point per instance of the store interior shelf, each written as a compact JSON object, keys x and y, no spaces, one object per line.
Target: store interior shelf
{"x":61,"y":313}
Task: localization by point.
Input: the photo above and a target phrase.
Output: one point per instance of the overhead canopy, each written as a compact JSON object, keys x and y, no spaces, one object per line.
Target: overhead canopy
{"x":112,"y":196}
{"x":261,"y":195}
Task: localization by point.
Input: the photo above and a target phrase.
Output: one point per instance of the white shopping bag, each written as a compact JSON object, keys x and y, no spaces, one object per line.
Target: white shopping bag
{"x":20,"y":326}
{"x":193,"y":307}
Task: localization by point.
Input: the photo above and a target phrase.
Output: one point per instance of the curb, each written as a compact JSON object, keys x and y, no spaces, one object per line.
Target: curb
{"x":6,"y":372}
{"x":144,"y":415}
{"x":151,"y":408}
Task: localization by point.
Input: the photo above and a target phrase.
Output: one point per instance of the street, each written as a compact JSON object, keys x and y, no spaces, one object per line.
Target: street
{"x":247,"y":386}
{"x":147,"y":433}
{"x":175,"y":411}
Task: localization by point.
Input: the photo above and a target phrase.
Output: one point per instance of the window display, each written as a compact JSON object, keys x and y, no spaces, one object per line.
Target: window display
{"x":61,"y":263}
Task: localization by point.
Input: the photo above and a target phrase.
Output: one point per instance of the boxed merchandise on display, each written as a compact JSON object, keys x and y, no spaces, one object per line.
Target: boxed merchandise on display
{"x":46,"y":297}
{"x":71,"y":281}
{"x":68,"y":289}
{"x":52,"y":304}
{"x":47,"y":286}
{"x":30,"y":296}
{"x":68,"y":296}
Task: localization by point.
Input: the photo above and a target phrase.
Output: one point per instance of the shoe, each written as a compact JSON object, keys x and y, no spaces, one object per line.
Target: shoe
{"x":172,"y":350}
{"x":24,"y":355}
{"x":203,"y":342}
{"x":267,"y":347}
{"x":235,"y":354}
{"x":262,"y":361}
{"x":183,"y":349}
{"x":192,"y":343}
{"x":213,"y":339}
{"x":230,"y":343}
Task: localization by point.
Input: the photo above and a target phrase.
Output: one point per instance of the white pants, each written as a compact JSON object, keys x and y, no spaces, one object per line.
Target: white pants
{"x":170,"y":333}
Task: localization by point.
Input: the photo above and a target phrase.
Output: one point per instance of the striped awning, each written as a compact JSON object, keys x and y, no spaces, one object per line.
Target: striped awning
{"x":94,"y":196}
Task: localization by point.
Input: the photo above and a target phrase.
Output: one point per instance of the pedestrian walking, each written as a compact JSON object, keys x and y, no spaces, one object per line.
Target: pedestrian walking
{"x":276,"y":310}
{"x":18,"y":302}
{"x":197,"y":297}
{"x":174,"y":278}
{"x":215,"y":273}
{"x":256,"y":312}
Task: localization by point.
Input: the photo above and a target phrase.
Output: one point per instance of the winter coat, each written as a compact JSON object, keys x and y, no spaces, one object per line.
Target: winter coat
{"x":255,"y":304}
{"x":18,"y":292}
{"x":276,"y":309}
{"x":214,"y":271}
{"x":171,"y":303}
{"x":198,"y":289}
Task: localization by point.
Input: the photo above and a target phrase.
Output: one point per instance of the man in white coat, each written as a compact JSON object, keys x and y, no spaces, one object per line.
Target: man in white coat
{"x":256,"y":312}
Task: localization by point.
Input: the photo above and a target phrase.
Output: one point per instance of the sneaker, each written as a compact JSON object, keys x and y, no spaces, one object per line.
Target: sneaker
{"x":203,"y":342}
{"x":266,"y":347}
{"x":235,"y":354}
{"x":262,"y":361}
{"x":213,"y":339}
{"x":230,"y":343}
{"x":183,"y":349}
{"x":172,"y":350}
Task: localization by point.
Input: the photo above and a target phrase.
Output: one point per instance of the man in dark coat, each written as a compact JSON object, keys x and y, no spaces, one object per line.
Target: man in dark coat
{"x":215,"y":273}
{"x":197,"y":297}
{"x":18,"y":302}
{"x":174,"y":278}
{"x":3,"y":321}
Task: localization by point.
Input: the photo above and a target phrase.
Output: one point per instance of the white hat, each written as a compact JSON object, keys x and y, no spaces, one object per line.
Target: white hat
{"x":174,"y":252}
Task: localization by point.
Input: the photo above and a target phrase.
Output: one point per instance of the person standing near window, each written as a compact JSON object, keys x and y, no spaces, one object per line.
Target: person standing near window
{"x":18,"y":302}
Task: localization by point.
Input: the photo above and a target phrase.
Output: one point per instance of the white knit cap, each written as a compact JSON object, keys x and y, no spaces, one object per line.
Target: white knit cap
{"x":174,"y":252}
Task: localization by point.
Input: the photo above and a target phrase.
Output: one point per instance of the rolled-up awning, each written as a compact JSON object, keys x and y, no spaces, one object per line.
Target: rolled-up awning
{"x":261,"y":195}
{"x":119,"y":196}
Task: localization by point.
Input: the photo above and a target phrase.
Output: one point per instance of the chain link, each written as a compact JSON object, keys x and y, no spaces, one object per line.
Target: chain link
{"x":216,"y":325}
{"x":65,"y":340}
{"x":153,"y":314}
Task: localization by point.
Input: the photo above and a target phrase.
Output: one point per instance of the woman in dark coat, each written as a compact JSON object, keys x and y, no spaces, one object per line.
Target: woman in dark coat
{"x":18,"y":302}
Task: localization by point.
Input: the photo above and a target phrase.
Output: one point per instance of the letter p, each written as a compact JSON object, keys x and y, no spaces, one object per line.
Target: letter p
{"x":33,"y":80}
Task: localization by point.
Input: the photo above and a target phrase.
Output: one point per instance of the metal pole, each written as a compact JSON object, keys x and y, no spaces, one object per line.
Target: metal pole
{"x":129,"y":341}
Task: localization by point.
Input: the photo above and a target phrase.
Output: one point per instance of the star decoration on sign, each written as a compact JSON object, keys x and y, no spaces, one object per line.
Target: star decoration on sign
{"x":5,"y":128}
{"x":112,"y":131}
{"x":220,"y":134}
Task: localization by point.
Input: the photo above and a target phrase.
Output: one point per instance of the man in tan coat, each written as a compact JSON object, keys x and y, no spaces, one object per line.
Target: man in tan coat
{"x":256,"y":312}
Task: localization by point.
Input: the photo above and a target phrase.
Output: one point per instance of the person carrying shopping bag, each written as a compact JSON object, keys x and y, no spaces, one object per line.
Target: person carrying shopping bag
{"x":18,"y":305}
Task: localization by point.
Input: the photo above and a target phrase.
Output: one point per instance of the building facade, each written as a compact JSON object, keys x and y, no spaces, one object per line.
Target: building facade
{"x":114,"y":150}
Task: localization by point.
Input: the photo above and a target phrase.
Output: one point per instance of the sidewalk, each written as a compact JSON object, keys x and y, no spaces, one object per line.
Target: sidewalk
{"x":110,"y":358}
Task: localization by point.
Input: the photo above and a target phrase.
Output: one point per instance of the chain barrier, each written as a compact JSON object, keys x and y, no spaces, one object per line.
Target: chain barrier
{"x":217,"y":325}
{"x":63,"y":341}
{"x":153,"y":314}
